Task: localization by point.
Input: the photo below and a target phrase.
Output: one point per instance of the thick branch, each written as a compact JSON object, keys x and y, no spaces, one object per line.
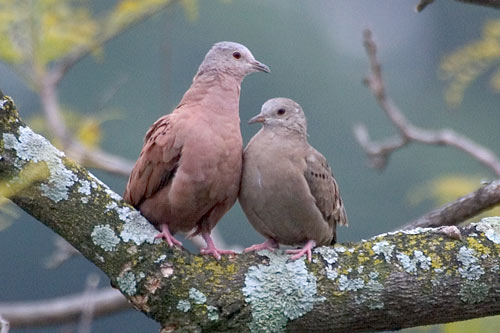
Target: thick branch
{"x":389,"y":282}
{"x":379,"y":152}
{"x":488,"y":3}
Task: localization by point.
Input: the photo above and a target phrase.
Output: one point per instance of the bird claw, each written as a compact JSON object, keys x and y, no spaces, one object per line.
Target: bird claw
{"x":171,"y":241}
{"x":300,"y":252}
{"x":270,"y":245}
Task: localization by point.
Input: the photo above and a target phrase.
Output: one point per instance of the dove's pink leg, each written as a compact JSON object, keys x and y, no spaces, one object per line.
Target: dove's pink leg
{"x":211,"y":249}
{"x":300,"y":252}
{"x":269,"y":244}
{"x":167,"y":236}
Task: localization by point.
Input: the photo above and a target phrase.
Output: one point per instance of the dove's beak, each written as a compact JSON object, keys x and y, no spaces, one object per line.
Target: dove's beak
{"x":258,"y":66}
{"x":257,"y":119}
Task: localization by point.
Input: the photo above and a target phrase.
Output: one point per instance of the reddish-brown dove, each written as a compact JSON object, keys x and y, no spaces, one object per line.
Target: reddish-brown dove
{"x":189,"y":170}
{"x":288,"y":191}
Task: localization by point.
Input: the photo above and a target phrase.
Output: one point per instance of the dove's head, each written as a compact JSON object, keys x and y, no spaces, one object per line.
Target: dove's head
{"x":282,"y":113}
{"x":231,"y":58}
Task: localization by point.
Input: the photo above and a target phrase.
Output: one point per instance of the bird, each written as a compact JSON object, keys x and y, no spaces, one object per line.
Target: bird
{"x":288,"y":191}
{"x":188,"y":173}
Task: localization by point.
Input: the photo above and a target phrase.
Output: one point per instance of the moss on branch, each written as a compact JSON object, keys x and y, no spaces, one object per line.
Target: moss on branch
{"x":391,"y":281}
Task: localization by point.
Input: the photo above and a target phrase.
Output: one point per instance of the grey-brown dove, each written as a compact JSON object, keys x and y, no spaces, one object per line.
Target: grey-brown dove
{"x":189,"y":170}
{"x":288,"y":191}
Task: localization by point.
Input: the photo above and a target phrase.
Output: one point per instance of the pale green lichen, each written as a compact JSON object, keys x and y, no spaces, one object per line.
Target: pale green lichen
{"x":328,"y":254}
{"x":85,"y":190}
{"x":279,"y":292}
{"x":385,"y":249}
{"x":212,"y":313}
{"x":372,"y":295}
{"x":410,"y":265}
{"x":160,"y":259}
{"x":473,"y":292}
{"x":183,"y":305}
{"x":136,"y":227}
{"x":127,"y":283}
{"x":470,"y":268}
{"x":331,"y":273}
{"x":346,"y":284}
{"x":491,"y":228}
{"x":104,"y":236}
{"x":32,"y":147}
{"x":197,"y":296}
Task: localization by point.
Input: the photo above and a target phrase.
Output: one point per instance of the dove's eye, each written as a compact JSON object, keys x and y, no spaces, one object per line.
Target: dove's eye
{"x":281,"y":112}
{"x":236,"y":55}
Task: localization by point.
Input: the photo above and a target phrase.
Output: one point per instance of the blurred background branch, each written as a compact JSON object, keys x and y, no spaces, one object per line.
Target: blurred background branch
{"x":379,"y":152}
{"x":488,"y":3}
{"x":63,"y":309}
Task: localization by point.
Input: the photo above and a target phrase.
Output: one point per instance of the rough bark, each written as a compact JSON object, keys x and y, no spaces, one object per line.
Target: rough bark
{"x":391,"y":281}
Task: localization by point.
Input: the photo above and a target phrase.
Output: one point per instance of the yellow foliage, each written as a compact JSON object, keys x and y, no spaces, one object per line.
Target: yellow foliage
{"x":448,"y":188}
{"x":464,"y":65}
{"x":87,"y":128}
{"x":35,"y":33}
{"x":31,"y":172}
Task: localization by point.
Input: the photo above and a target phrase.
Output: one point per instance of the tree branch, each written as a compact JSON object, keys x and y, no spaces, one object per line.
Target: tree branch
{"x":379,"y":152}
{"x":488,"y":3}
{"x":62,"y":309}
{"x":461,"y":209}
{"x":389,"y":282}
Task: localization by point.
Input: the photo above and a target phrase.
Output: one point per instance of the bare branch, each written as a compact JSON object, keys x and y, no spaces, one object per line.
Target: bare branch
{"x":96,"y":158}
{"x":4,"y":325}
{"x":62,"y":309}
{"x":62,"y":252}
{"x":488,"y":3}
{"x":461,"y":209}
{"x":88,"y":312}
{"x":379,"y":152}
{"x":61,"y":67}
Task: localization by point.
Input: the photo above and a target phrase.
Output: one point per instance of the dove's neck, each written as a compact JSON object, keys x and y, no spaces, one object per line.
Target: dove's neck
{"x":291,"y":130}
{"x":217,"y":92}
{"x":284,"y":133}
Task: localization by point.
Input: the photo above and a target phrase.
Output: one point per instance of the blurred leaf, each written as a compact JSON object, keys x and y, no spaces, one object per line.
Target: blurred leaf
{"x":191,"y":9}
{"x":447,"y":188}
{"x":87,"y":128}
{"x":35,"y":33}
{"x":89,"y":133}
{"x":30,"y":173}
{"x":463,"y":66}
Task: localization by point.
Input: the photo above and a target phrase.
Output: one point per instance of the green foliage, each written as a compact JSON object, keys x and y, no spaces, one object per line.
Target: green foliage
{"x":463,"y":66}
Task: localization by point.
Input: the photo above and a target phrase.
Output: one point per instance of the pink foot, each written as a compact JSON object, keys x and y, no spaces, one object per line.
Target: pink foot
{"x":305,"y":250}
{"x":269,"y":244}
{"x":211,"y":249}
{"x":167,"y":236}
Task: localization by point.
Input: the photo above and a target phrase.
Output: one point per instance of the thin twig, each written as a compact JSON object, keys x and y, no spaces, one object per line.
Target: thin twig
{"x":62,"y":66}
{"x":4,"y":325}
{"x":91,"y":157}
{"x":62,"y":309}
{"x":63,"y":252}
{"x":379,"y":152}
{"x":85,"y":324}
